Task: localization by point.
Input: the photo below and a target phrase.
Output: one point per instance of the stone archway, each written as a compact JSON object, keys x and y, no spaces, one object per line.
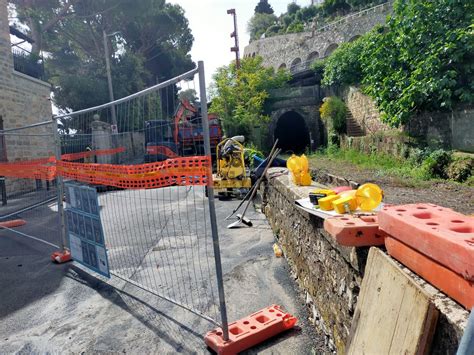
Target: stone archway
{"x":312,"y":58}
{"x":332,"y":47}
{"x":295,"y":63}
{"x":292,"y":132}
{"x":282,"y":66}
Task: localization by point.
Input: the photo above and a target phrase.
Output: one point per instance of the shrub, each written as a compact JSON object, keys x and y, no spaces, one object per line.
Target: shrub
{"x":422,"y":60}
{"x":343,"y":66}
{"x":460,"y":169}
{"x":436,"y":163}
{"x":334,"y":110}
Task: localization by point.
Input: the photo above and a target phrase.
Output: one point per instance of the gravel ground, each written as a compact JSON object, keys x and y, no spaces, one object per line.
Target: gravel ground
{"x":458,"y":197}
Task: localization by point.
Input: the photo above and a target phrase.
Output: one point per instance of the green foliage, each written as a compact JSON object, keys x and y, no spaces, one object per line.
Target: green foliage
{"x":422,"y":60}
{"x":334,"y":111}
{"x":293,"y":8}
{"x":335,"y":7}
{"x":263,"y":7}
{"x":188,"y":95}
{"x":259,"y":24}
{"x":153,"y":44}
{"x":460,"y":169}
{"x":318,"y":67}
{"x":295,"y":27}
{"x":343,"y":66}
{"x":297,"y":18}
{"x":238,"y":96}
{"x":436,"y":163}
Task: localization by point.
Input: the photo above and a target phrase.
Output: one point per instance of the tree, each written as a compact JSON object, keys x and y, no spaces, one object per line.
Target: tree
{"x":335,"y":7}
{"x":188,"y":95}
{"x":152,"y":45}
{"x":259,"y":24}
{"x":293,"y":8}
{"x":263,"y":7}
{"x":238,"y":96}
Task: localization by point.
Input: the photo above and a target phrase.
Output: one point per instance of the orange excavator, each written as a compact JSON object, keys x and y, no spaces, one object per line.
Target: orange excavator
{"x":182,"y":136}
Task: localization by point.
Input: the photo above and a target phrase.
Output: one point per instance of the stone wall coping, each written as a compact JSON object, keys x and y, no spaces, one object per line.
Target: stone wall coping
{"x":280,"y":180}
{"x":34,"y":80}
{"x":285,"y":185}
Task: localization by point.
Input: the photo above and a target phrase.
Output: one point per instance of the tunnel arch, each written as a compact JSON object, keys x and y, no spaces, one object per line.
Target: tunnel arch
{"x":282,"y":66}
{"x":295,"y":63}
{"x":332,"y":47}
{"x":292,"y":132}
{"x":312,"y":57}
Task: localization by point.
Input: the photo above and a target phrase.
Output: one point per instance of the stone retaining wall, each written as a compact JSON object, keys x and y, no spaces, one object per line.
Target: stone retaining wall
{"x":331,"y":274}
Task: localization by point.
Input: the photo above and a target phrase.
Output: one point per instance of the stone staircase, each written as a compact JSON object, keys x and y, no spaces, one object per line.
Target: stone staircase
{"x":353,"y":127}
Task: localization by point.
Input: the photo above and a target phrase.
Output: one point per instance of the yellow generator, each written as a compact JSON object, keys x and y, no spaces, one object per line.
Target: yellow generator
{"x":231,"y":172}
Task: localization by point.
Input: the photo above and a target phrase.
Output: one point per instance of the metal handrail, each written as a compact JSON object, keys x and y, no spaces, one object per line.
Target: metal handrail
{"x":356,"y":14}
{"x":24,"y":62}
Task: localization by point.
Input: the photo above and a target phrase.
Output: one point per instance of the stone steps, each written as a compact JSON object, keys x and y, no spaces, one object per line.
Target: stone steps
{"x":352,"y":127}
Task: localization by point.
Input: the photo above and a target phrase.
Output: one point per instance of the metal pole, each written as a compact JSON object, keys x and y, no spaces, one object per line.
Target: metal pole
{"x":60,"y":187}
{"x":235,"y":34}
{"x":109,"y":80}
{"x":212,"y":208}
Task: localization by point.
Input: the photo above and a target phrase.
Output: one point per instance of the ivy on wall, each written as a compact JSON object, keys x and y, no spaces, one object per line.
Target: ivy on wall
{"x":423,"y":59}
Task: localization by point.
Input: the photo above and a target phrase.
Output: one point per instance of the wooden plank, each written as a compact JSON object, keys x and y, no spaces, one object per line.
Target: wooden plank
{"x":394,"y":315}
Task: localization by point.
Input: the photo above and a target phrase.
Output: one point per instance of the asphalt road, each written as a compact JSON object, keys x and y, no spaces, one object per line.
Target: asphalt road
{"x":160,"y":239}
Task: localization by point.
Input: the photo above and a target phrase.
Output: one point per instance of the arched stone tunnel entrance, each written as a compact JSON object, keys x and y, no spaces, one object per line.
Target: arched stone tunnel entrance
{"x":292,"y":133}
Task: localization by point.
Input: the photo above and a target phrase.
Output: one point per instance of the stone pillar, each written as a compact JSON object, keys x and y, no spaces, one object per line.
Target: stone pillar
{"x":102,"y":139}
{"x":6,"y":62}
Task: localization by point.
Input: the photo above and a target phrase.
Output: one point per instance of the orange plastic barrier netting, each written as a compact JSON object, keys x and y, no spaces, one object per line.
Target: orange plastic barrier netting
{"x":45,"y":168}
{"x":179,"y":171}
{"x":81,"y":155}
{"x":29,"y":170}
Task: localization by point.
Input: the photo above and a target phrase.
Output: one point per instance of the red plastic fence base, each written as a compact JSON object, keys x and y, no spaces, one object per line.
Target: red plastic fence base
{"x":61,"y":256}
{"x":454,"y":285}
{"x":355,"y":231}
{"x":437,"y":232}
{"x":251,"y":330}
{"x":13,"y":223}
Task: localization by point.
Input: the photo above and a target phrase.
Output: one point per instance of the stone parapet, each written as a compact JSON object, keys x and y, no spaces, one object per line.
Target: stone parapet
{"x":331,"y":275}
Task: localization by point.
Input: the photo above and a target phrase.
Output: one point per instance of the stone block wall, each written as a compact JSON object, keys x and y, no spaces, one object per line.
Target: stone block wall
{"x":331,"y":275}
{"x":364,"y":110}
{"x":284,"y":49}
{"x":23,"y":101}
{"x":451,"y":130}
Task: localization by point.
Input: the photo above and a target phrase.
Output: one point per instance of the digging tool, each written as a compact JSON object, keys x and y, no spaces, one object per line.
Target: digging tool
{"x":254,"y":186}
{"x":245,"y":221}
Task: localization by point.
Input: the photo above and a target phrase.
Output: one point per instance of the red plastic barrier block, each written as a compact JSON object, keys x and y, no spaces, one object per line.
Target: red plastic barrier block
{"x":251,"y":330}
{"x":13,"y":223}
{"x":437,"y":232}
{"x":356,"y":231}
{"x":454,"y":285}
{"x":61,"y":256}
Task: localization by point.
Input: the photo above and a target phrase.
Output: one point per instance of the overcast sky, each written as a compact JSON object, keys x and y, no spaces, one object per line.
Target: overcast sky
{"x":211,"y":27}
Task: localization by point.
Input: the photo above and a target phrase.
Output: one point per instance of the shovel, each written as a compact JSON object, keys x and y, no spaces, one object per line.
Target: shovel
{"x":242,"y":221}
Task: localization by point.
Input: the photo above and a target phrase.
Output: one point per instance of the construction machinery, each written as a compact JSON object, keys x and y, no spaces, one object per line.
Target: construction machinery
{"x":232,"y":175}
{"x":181,"y":136}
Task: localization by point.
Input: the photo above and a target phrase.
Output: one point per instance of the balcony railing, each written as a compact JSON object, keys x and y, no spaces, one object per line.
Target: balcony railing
{"x":28,"y":63}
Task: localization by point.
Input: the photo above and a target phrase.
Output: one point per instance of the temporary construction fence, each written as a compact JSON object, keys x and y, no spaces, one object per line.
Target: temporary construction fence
{"x":159,"y":225}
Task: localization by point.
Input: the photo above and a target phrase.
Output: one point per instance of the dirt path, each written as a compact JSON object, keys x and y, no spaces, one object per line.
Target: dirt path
{"x":401,"y":191}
